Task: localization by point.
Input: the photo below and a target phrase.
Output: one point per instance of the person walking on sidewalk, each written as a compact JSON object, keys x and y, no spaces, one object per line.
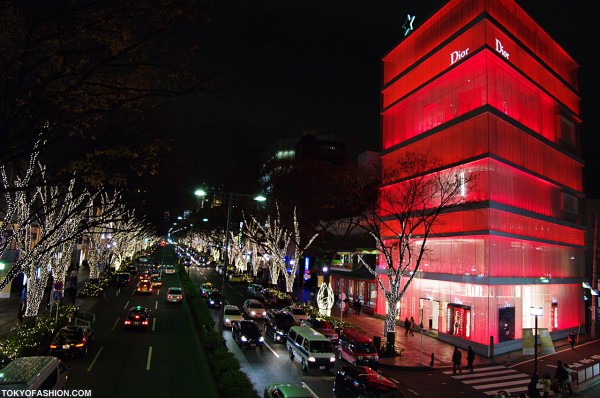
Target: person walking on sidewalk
{"x":470,"y":358}
{"x":572,"y":337}
{"x":412,"y":326}
{"x":358,"y":307}
{"x":406,"y":326}
{"x":456,"y":359}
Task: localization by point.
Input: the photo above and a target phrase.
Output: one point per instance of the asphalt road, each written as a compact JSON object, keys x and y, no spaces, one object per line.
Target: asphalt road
{"x":164,"y":360}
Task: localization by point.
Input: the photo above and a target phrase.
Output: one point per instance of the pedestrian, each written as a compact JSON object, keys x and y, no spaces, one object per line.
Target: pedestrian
{"x":561,"y":377}
{"x":355,"y":306}
{"x":406,"y":326}
{"x":412,"y":325}
{"x":571,"y":339}
{"x":532,"y":390}
{"x":456,"y":359}
{"x":546,"y":385}
{"x":346,"y":307}
{"x":470,"y":358}
{"x":569,"y":378}
{"x":358,"y":307}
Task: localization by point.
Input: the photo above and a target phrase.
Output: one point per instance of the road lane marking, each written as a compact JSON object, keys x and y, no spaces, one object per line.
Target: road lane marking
{"x":149,"y":357}
{"x":115,"y":325}
{"x":95,"y":358}
{"x":158,"y":292}
{"x":156,"y":305}
{"x":413,"y":391}
{"x":133,"y":292}
{"x":269,"y":347}
{"x":153,"y":323}
{"x":309,"y":389}
{"x":118,"y":292}
{"x":126,"y":304}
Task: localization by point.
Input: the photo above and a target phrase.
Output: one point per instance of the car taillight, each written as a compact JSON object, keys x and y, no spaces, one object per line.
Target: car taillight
{"x":144,"y":322}
{"x":127,"y":322}
{"x":52,"y":345}
{"x":137,"y":317}
{"x":79,"y":345}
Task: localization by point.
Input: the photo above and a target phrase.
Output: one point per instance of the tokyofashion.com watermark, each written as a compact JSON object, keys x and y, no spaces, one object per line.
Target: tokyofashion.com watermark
{"x":45,"y":393}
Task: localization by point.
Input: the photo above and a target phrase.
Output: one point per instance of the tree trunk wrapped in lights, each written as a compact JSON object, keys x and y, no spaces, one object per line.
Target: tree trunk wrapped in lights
{"x":411,"y":197}
{"x":280,"y":242}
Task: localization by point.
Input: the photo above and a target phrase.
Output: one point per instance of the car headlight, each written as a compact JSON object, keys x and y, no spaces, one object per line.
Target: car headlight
{"x":311,"y":359}
{"x":212,"y":302}
{"x":227,"y":320}
{"x":261,"y":339}
{"x":332,"y":359}
{"x":244,"y":338}
{"x":252,"y":313}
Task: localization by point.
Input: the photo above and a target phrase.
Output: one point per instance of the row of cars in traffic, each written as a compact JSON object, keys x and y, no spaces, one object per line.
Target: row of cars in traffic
{"x":309,"y":340}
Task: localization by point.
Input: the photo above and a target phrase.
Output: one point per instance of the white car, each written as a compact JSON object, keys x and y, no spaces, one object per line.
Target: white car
{"x":174,"y":295}
{"x":298,"y":313}
{"x":231,"y":314}
{"x":254,"y":309}
{"x":169,"y":269}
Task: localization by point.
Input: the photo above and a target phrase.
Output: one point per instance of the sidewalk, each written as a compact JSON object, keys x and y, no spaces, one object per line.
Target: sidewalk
{"x":10,"y":306}
{"x":417,"y":349}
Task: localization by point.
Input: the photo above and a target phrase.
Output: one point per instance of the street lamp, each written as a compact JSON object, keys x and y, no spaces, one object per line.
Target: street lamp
{"x":536,"y":312}
{"x":258,"y":198}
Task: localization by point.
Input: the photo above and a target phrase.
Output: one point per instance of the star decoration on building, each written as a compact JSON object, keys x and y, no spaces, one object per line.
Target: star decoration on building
{"x":408,"y":25}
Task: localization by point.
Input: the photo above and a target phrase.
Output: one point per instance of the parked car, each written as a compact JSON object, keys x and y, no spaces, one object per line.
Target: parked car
{"x":287,"y":390}
{"x":206,"y":288}
{"x":214,"y":299}
{"x":360,"y":381}
{"x":72,"y":340}
{"x":174,"y":295}
{"x":247,"y":333}
{"x":322,"y":326}
{"x":277,"y":324}
{"x":357,"y":348}
{"x":231,"y":315}
{"x":254,"y":309}
{"x":298,"y":313}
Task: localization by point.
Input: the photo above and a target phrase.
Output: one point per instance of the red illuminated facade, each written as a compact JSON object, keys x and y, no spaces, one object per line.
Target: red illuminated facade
{"x":482,"y":87}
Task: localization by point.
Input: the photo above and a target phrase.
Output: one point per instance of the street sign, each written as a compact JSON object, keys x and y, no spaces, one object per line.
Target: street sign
{"x":58,"y":285}
{"x":56,"y":295}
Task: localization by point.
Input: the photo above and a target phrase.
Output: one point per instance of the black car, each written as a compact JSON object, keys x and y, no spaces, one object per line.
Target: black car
{"x":72,"y":340}
{"x":360,"y":381}
{"x":277,"y":324}
{"x":124,"y":279}
{"x":214,"y":299}
{"x":137,"y":317}
{"x":247,"y":333}
{"x":132,"y":269}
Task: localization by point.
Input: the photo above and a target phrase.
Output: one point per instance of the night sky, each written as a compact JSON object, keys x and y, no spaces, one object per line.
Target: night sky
{"x":294,"y":65}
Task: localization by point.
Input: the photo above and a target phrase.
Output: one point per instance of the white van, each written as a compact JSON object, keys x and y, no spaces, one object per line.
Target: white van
{"x":34,"y":373}
{"x":312,"y":349}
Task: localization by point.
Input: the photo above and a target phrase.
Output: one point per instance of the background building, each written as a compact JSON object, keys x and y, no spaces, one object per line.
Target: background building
{"x":481,"y":86}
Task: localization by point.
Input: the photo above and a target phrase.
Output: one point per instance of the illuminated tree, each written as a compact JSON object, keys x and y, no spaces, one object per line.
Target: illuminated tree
{"x":282,"y":243}
{"x":411,"y":198}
